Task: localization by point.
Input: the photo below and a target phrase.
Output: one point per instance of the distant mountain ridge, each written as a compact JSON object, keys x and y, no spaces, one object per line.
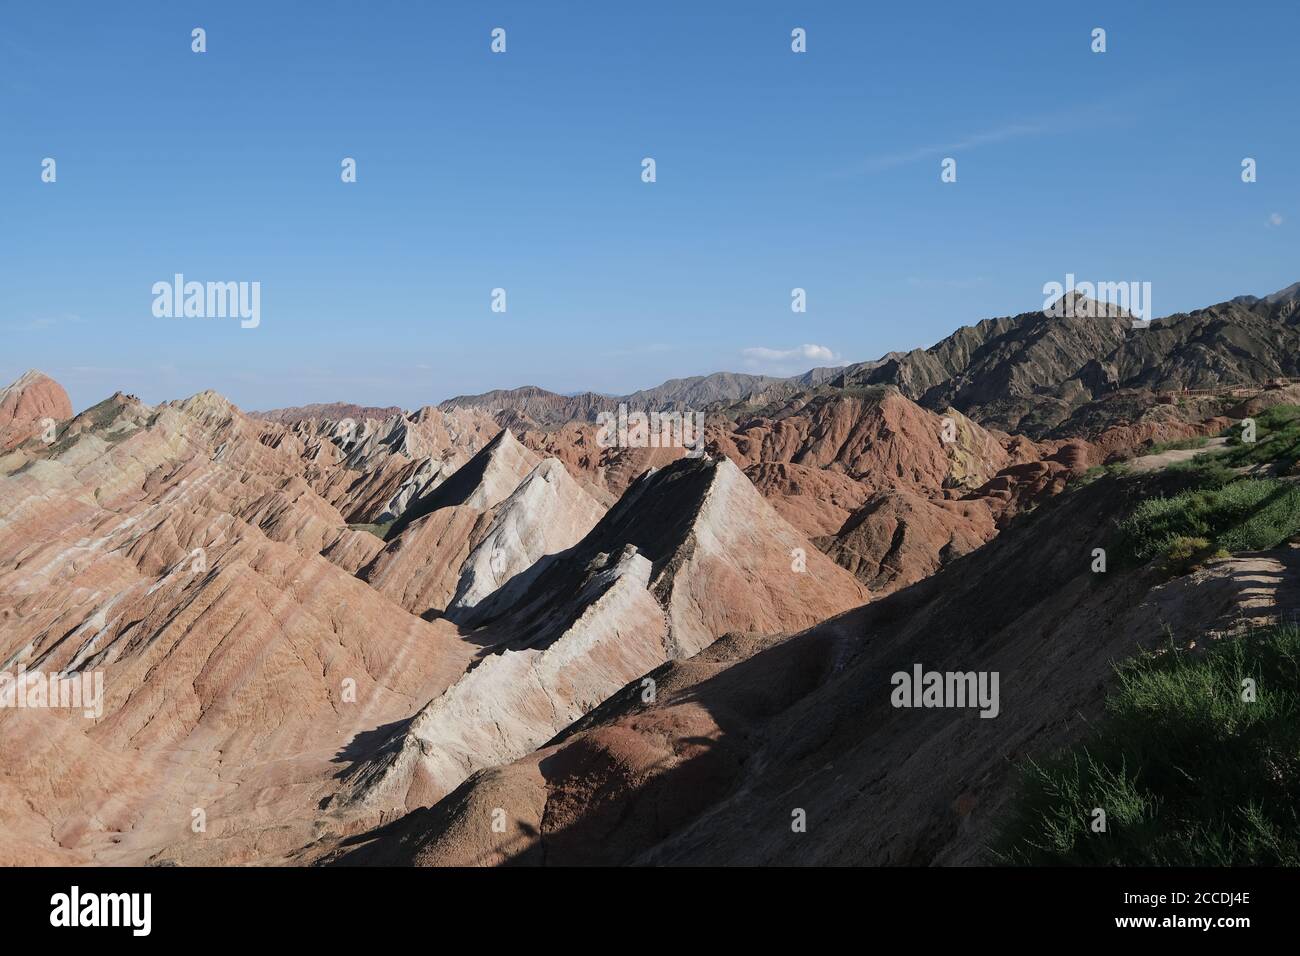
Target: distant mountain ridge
{"x":331,"y":411}
{"x":1033,"y":372}
{"x":1037,"y":373}
{"x":530,"y":404}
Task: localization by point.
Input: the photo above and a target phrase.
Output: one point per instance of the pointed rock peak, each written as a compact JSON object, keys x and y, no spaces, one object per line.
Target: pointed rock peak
{"x":505,"y":439}
{"x":1076,"y":305}
{"x":206,"y":400}
{"x":657,"y":511}
{"x":29,"y":377}
{"x":1284,"y":295}
{"x":546,"y":514}
{"x":501,"y":459}
{"x":552,"y":472}
{"x":652,"y":520}
{"x":726,"y":469}
{"x":481,"y":483}
{"x":33,"y":380}
{"x":206,"y":409}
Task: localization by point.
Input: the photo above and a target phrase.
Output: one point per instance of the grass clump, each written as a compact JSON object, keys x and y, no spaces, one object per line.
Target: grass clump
{"x":378,"y":530}
{"x":1246,"y":514}
{"x":1184,"y":554}
{"x":1202,"y":472}
{"x":1277,"y":440}
{"x":1187,"y":772}
{"x":1179,"y":444}
{"x":1096,"y":472}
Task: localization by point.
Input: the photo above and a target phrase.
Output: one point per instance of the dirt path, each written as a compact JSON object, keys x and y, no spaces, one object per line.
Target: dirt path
{"x":1166,"y":458}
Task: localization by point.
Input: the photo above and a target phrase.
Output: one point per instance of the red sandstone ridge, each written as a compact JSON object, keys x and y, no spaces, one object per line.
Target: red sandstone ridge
{"x":606,"y":472}
{"x":689,"y":553}
{"x":755,"y":727}
{"x":28,"y":406}
{"x":890,"y":490}
{"x":177,"y":550}
{"x":196,"y":557}
{"x":882,"y":440}
{"x":455,"y":532}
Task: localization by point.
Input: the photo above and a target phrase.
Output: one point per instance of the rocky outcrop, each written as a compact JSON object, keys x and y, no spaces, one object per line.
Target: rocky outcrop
{"x":1033,"y":372}
{"x":420,"y":566}
{"x":898,"y":538}
{"x":689,"y":553}
{"x":30,"y":407}
{"x":546,"y":514}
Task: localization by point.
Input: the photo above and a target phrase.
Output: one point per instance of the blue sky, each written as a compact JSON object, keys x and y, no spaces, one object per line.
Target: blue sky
{"x":523,"y":171}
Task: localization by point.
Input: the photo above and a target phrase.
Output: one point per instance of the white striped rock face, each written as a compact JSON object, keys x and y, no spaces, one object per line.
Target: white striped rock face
{"x":420,"y":567}
{"x":688,"y":554}
{"x":546,"y":514}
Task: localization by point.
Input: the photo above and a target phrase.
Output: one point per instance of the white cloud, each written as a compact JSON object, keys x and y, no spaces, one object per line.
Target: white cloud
{"x":814,"y":353}
{"x":786,"y":361}
{"x":1275,"y":219}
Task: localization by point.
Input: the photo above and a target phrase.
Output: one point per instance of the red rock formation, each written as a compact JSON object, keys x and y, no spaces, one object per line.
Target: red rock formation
{"x":28,"y":406}
{"x":689,"y":553}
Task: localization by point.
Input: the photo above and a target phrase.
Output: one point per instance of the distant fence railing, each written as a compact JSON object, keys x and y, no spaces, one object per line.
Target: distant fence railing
{"x":1233,"y":390}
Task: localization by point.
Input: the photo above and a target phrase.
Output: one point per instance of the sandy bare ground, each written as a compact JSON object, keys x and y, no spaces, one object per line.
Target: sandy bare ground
{"x":1166,"y":458}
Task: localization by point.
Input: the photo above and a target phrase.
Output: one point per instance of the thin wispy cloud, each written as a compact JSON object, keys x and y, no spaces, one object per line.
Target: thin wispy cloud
{"x":1094,"y":117}
{"x":988,"y":137}
{"x":39,"y":323}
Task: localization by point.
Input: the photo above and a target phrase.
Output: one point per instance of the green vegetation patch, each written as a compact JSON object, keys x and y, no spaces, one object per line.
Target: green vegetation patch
{"x":1246,"y":514}
{"x":1114,"y":469}
{"x":1179,"y":444}
{"x":1212,"y":498}
{"x":1187,"y":772}
{"x":1277,"y":440}
{"x":378,"y":530}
